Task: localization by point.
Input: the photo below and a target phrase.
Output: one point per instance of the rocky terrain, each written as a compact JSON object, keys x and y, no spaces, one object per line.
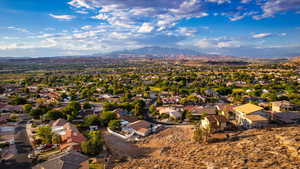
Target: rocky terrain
{"x":295,"y":59}
{"x":258,"y":148}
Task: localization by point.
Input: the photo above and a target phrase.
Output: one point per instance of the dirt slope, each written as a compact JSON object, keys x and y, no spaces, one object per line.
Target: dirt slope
{"x":174,"y":148}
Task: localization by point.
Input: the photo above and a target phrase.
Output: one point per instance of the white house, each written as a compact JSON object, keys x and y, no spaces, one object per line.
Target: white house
{"x":250,"y":116}
{"x":171,"y":111}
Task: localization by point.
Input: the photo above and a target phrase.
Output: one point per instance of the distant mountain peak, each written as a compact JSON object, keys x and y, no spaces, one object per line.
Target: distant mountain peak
{"x":155,"y":50}
{"x":162,"y":52}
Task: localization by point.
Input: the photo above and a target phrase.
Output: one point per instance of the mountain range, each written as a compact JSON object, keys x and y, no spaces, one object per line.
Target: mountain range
{"x":160,"y":52}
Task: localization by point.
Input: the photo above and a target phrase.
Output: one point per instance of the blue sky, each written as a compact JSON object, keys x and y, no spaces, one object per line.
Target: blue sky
{"x":251,"y":28}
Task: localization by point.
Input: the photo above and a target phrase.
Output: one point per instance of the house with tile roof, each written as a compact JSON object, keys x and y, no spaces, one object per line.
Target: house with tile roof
{"x":72,"y":138}
{"x":70,"y":135}
{"x":250,"y":116}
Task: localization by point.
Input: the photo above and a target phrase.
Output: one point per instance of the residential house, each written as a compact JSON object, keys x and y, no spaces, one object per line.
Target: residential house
{"x":141,"y":127}
{"x":211,"y":93}
{"x":125,"y":116}
{"x":12,"y":108}
{"x":97,"y":108}
{"x":282,"y":106}
{"x":250,"y":116}
{"x":57,"y":126}
{"x":215,"y":123}
{"x":209,"y":110}
{"x":200,"y":111}
{"x":171,"y":100}
{"x":72,"y":138}
{"x":4,"y":117}
{"x":68,"y":160}
{"x":247,"y":98}
{"x":286,"y":117}
{"x":256,"y":121}
{"x":195,"y":111}
{"x":70,"y":135}
{"x":152,"y":95}
{"x":226,"y":110}
{"x":173,"y":112}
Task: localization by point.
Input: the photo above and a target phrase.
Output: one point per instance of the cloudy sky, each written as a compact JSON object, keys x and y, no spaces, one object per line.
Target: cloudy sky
{"x":268,"y":28}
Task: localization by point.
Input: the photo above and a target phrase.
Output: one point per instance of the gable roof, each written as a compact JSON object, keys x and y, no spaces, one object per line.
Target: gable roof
{"x":139,"y":124}
{"x":225,"y":107}
{"x":248,"y":108}
{"x":69,"y":160}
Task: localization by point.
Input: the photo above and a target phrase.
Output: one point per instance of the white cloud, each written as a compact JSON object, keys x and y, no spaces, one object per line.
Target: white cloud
{"x":187,"y":31}
{"x":245,"y":1}
{"x":101,"y":16}
{"x":62,"y":17}
{"x":82,"y":12}
{"x":17,"y":29}
{"x":239,"y":15}
{"x":10,"y":38}
{"x":142,"y":11}
{"x":261,"y":35}
{"x":272,"y":7}
{"x":221,"y":42}
{"x":219,"y":1}
{"x":204,"y":43}
{"x":236,"y":18}
{"x":79,"y":4}
{"x":145,"y":28}
{"x":86,"y":27}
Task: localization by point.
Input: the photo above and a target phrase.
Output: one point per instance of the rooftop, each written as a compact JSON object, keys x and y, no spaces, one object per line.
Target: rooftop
{"x":255,"y":118}
{"x":69,"y":160}
{"x":248,"y":108}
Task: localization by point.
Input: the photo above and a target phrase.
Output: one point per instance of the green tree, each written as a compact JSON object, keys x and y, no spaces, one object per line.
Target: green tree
{"x":106,"y":116}
{"x":56,"y":139}
{"x":45,"y":134}
{"x":27,"y":108}
{"x":39,"y":111}
{"x":158,"y":101}
{"x":92,"y":120}
{"x":139,"y":108}
{"x":73,"y":106}
{"x":109,"y":106}
{"x":152,"y":109}
{"x":94,"y":144}
{"x":87,"y":105}
{"x":115,"y":125}
{"x":54,"y":115}
{"x":18,"y":100}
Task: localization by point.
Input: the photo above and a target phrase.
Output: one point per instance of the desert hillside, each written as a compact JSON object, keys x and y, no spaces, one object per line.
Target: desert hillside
{"x":295,"y":59}
{"x":174,"y":148}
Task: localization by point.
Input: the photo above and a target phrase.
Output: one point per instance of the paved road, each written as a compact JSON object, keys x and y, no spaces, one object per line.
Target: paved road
{"x":20,"y":161}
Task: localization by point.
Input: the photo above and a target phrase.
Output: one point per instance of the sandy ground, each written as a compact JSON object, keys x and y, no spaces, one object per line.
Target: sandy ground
{"x":174,"y":148}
